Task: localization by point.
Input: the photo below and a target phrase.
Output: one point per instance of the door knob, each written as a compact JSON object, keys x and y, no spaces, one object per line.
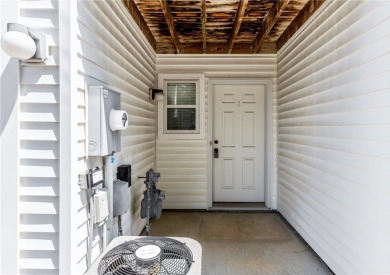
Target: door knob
{"x":216,"y":141}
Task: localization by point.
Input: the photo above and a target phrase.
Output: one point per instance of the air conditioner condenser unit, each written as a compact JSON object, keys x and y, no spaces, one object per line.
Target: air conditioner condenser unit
{"x":149,"y":256}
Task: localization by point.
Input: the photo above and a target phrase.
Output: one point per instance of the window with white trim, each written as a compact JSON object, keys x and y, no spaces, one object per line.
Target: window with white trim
{"x":181,"y":114}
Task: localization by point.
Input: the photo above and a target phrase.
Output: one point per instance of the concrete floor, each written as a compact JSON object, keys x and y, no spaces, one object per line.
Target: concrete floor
{"x":242,"y":243}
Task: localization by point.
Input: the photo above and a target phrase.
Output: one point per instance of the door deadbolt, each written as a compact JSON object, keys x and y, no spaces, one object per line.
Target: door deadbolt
{"x":216,"y":153}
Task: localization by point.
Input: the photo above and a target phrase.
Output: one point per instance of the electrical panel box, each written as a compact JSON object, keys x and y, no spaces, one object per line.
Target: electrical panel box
{"x":101,"y":206}
{"x":105,"y":120}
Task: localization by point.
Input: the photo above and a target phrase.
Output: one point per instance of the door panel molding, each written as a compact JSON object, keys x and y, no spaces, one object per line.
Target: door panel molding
{"x":248,"y":173}
{"x":228,"y":131}
{"x":229,"y":98}
{"x":228,"y":167}
{"x":249,"y":98}
{"x":248,"y":127}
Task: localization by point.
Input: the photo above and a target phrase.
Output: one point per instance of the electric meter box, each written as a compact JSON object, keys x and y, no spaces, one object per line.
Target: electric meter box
{"x":105,"y":121}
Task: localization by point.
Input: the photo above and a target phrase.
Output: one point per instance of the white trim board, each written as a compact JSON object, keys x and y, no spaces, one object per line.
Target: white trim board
{"x":68,"y":118}
{"x":268,"y":137}
{"x":9,"y":148}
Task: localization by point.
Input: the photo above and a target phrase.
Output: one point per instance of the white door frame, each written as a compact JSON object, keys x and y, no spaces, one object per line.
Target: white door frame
{"x":268,"y":181}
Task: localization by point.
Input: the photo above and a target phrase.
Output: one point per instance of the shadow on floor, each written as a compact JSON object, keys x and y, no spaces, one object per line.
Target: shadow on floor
{"x":242,"y":243}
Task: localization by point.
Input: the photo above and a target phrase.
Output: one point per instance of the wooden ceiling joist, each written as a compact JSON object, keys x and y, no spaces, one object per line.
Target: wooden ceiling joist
{"x":138,"y":18}
{"x":307,"y":11}
{"x":220,"y":27}
{"x":237,"y":23}
{"x":268,"y":23}
{"x":204,"y":20}
{"x":171,"y":24}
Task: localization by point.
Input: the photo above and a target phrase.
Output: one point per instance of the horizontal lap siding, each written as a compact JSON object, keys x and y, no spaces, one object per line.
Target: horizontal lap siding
{"x":39,"y":148}
{"x":334,"y":129}
{"x":183,"y":168}
{"x":183,"y":163}
{"x":111,"y":52}
{"x":219,"y":66}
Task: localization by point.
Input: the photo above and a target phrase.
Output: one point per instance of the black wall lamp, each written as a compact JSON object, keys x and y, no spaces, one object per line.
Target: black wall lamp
{"x":156,"y":95}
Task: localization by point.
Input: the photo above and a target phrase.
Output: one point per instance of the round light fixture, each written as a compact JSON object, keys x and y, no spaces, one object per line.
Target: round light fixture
{"x":24,"y":43}
{"x":18,"y":44}
{"x":159,"y":97}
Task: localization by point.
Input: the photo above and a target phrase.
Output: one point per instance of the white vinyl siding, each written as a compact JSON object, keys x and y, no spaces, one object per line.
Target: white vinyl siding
{"x":183,"y":168}
{"x":334,"y":134}
{"x":183,"y":164}
{"x":112,"y":52}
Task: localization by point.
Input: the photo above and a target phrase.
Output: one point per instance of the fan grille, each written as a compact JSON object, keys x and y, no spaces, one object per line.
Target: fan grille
{"x":176,"y":258}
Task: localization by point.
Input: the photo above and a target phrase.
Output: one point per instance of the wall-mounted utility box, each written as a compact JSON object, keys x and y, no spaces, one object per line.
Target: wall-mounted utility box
{"x":101,"y":206}
{"x":105,"y":120}
{"x":124,"y":173}
{"x":121,"y":198}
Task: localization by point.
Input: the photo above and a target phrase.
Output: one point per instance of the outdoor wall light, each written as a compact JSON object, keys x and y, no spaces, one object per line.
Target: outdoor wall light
{"x":156,"y":95}
{"x":24,"y":43}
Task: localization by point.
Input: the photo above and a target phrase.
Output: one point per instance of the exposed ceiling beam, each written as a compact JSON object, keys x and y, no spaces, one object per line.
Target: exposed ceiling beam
{"x":204,"y":20}
{"x":171,"y":24}
{"x":237,"y":23}
{"x":268,"y":23}
{"x":154,"y":17}
{"x":307,"y":11}
{"x":137,"y":16}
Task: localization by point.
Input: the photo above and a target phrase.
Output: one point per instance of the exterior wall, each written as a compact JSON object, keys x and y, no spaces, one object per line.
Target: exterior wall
{"x":334,"y":133}
{"x":111,"y":51}
{"x":333,"y":105}
{"x":183,"y":164}
{"x":43,"y":130}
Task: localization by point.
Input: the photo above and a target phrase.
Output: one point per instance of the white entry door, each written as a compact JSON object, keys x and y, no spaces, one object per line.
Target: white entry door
{"x":238,"y":142}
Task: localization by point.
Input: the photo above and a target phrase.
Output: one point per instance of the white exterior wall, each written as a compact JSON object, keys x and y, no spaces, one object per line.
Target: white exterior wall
{"x":334,"y":133}
{"x":43,"y":129}
{"x":183,"y":164}
{"x":111,"y":51}
{"x":333,"y":105}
